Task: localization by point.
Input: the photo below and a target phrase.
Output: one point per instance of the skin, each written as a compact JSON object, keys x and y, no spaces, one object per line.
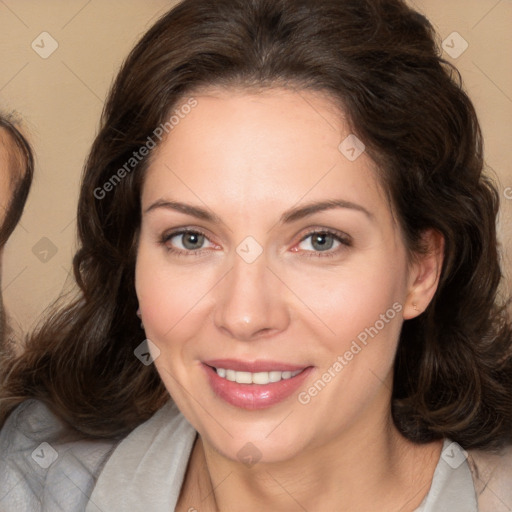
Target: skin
{"x":249,"y":157}
{"x":6,"y":190}
{"x":6,"y":163}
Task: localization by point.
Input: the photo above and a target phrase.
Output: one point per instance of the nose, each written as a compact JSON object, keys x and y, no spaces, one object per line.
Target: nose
{"x":251,"y":301}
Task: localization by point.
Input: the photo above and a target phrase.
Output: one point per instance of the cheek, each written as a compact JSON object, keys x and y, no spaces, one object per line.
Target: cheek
{"x":352,"y":299}
{"x":362,"y":310}
{"x":169,"y":298}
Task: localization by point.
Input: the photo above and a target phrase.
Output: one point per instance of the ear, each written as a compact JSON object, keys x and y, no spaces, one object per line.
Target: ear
{"x":424,"y":273}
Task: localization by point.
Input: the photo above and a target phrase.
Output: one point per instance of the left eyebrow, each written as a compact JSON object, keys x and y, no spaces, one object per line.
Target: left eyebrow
{"x":309,"y":209}
{"x":287,"y":217}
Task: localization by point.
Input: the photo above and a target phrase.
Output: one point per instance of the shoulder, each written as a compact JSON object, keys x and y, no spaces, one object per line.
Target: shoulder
{"x":39,"y":469}
{"x":492,"y":476}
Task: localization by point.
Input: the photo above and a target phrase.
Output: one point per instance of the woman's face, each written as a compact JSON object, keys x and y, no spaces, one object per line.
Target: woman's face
{"x":254,"y":291}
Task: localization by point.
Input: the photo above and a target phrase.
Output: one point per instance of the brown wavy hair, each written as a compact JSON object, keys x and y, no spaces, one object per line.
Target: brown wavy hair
{"x":379,"y":60}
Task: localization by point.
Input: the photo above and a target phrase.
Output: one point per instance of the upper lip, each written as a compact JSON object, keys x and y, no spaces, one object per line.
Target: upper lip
{"x":253,"y":366}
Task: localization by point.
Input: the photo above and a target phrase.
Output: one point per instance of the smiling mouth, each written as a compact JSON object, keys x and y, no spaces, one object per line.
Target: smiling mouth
{"x":254,"y":385}
{"x":261,"y":378}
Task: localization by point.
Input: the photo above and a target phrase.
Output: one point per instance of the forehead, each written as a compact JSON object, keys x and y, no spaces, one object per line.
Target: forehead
{"x":273,"y":146}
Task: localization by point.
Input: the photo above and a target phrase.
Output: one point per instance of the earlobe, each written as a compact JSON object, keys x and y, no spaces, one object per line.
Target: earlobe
{"x":424,"y":274}
{"x":138,"y":313}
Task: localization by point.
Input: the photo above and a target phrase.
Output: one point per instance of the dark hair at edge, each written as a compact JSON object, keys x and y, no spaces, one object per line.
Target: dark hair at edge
{"x":20,"y":178}
{"x":21,"y":171}
{"x":380,"y":61}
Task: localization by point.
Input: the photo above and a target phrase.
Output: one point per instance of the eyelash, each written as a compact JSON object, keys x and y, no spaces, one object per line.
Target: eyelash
{"x":346,"y":242}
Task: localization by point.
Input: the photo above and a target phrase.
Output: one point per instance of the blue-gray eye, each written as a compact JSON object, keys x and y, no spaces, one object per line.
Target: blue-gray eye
{"x":321,"y":241}
{"x":190,"y":240}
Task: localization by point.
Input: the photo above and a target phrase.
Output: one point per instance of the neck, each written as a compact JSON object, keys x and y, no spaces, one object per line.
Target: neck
{"x":364,"y":469}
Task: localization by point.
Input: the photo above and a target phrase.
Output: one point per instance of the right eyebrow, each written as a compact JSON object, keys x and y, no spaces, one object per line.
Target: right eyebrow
{"x":187,"y":209}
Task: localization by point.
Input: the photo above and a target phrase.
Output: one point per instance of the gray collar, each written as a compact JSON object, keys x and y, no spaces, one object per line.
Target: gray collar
{"x":141,"y":475}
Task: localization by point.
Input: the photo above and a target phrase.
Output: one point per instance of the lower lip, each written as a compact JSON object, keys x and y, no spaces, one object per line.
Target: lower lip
{"x":254,"y":396}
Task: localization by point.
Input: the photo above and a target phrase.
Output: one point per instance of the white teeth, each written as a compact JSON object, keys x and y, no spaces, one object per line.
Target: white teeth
{"x":275,"y":376}
{"x":243,"y":377}
{"x":255,"y":378}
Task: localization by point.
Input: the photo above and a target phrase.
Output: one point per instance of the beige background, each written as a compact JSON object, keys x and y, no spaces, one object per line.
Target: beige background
{"x":61,"y":97}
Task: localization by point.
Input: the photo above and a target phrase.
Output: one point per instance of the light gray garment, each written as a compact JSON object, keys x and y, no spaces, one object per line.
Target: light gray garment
{"x":147,"y":469}
{"x":39,"y":472}
{"x":143,"y":472}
